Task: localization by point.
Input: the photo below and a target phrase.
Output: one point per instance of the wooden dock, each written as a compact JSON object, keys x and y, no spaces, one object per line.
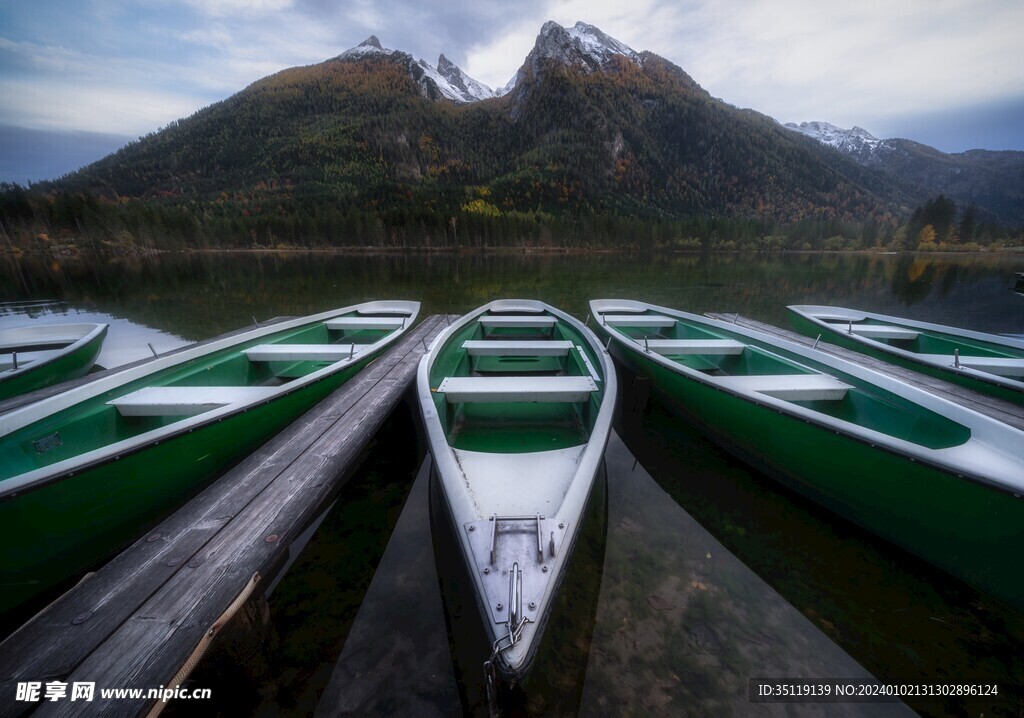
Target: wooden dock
{"x":998,"y":409}
{"x":137,"y":620}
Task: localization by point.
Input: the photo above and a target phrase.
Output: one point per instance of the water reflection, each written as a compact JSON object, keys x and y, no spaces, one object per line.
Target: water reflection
{"x":681,"y":624}
{"x":198,"y":296}
{"x":127,"y":341}
{"x":395,"y":660}
{"x":904,"y":620}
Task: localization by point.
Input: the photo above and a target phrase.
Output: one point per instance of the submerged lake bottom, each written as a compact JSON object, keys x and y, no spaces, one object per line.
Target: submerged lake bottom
{"x":713,"y":575}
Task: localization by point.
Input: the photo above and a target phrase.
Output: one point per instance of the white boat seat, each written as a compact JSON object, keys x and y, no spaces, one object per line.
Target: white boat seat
{"x":32,"y":343}
{"x":624,"y":308}
{"x":512,"y":348}
{"x":510,"y":308}
{"x":356,"y":323}
{"x":303,"y":352}
{"x":515,"y":321}
{"x":520,"y":389}
{"x":1001,"y":366}
{"x":187,"y":400}
{"x":693,"y":346}
{"x":637,"y":320}
{"x":876,"y":331}
{"x":829,"y":318}
{"x":791,"y":387}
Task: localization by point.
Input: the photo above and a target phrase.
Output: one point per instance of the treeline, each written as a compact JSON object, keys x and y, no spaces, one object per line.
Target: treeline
{"x":64,"y":221}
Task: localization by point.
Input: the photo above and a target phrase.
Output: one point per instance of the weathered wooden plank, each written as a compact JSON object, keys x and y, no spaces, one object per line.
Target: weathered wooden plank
{"x":1000,"y":410}
{"x":151,"y":601}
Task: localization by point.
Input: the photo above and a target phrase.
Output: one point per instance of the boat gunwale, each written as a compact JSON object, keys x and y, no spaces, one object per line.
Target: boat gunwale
{"x":46,"y":475}
{"x":973,"y":421}
{"x":916,"y":357}
{"x":98,"y":330}
{"x":445,"y":463}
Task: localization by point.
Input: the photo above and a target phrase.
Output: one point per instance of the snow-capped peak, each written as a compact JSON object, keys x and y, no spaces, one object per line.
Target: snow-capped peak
{"x":468,"y":89}
{"x":855,"y":140}
{"x":581,"y":44}
{"x":450,"y":82}
{"x":369,"y":46}
{"x":597,"y":44}
{"x":507,"y":87}
{"x":444,"y":81}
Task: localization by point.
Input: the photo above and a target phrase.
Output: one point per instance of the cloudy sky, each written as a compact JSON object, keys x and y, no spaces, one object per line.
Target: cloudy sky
{"x":80,"y":77}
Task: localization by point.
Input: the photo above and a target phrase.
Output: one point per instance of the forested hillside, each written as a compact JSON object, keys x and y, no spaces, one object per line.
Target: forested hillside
{"x":350,"y":152}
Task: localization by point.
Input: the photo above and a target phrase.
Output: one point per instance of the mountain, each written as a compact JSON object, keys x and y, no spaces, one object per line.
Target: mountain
{"x":992,"y":180}
{"x":588,"y":131}
{"x":469,"y":90}
{"x":856,"y":142}
{"x":446,"y":80}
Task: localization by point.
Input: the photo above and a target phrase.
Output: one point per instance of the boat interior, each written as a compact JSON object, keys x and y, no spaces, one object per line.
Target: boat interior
{"x":733,"y":362}
{"x":14,"y":358}
{"x":242,"y":374}
{"x":20,"y":348}
{"x":934,"y":346}
{"x":516,"y":381}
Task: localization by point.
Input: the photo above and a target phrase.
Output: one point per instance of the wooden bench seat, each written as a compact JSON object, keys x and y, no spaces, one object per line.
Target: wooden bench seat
{"x":637,"y":320}
{"x":357,"y":323}
{"x":791,"y":387}
{"x":693,"y":346}
{"x":186,"y":400}
{"x":303,"y":352}
{"x":876,"y":331}
{"x":520,"y":389}
{"x":29,"y":344}
{"x":511,"y":308}
{"x":494,"y":347}
{"x":515,"y":321}
{"x":1001,"y":366}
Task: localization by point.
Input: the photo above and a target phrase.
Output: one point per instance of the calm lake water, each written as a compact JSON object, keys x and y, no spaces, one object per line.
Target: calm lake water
{"x":712,"y":573}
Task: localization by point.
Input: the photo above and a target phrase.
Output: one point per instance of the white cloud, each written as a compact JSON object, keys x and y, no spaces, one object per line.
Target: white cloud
{"x":117,"y":110}
{"x":805,"y":59}
{"x":848,"y":63}
{"x":495,"y":63}
{"x":224,"y":8}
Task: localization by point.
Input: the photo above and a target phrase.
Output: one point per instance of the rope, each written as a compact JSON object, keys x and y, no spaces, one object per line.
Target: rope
{"x":205,"y":642}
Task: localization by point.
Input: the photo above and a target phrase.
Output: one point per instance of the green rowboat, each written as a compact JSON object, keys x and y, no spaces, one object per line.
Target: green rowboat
{"x":933,"y":477}
{"x":517,"y":399}
{"x":40,"y":355}
{"x":85,"y":472}
{"x":984,"y":362}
